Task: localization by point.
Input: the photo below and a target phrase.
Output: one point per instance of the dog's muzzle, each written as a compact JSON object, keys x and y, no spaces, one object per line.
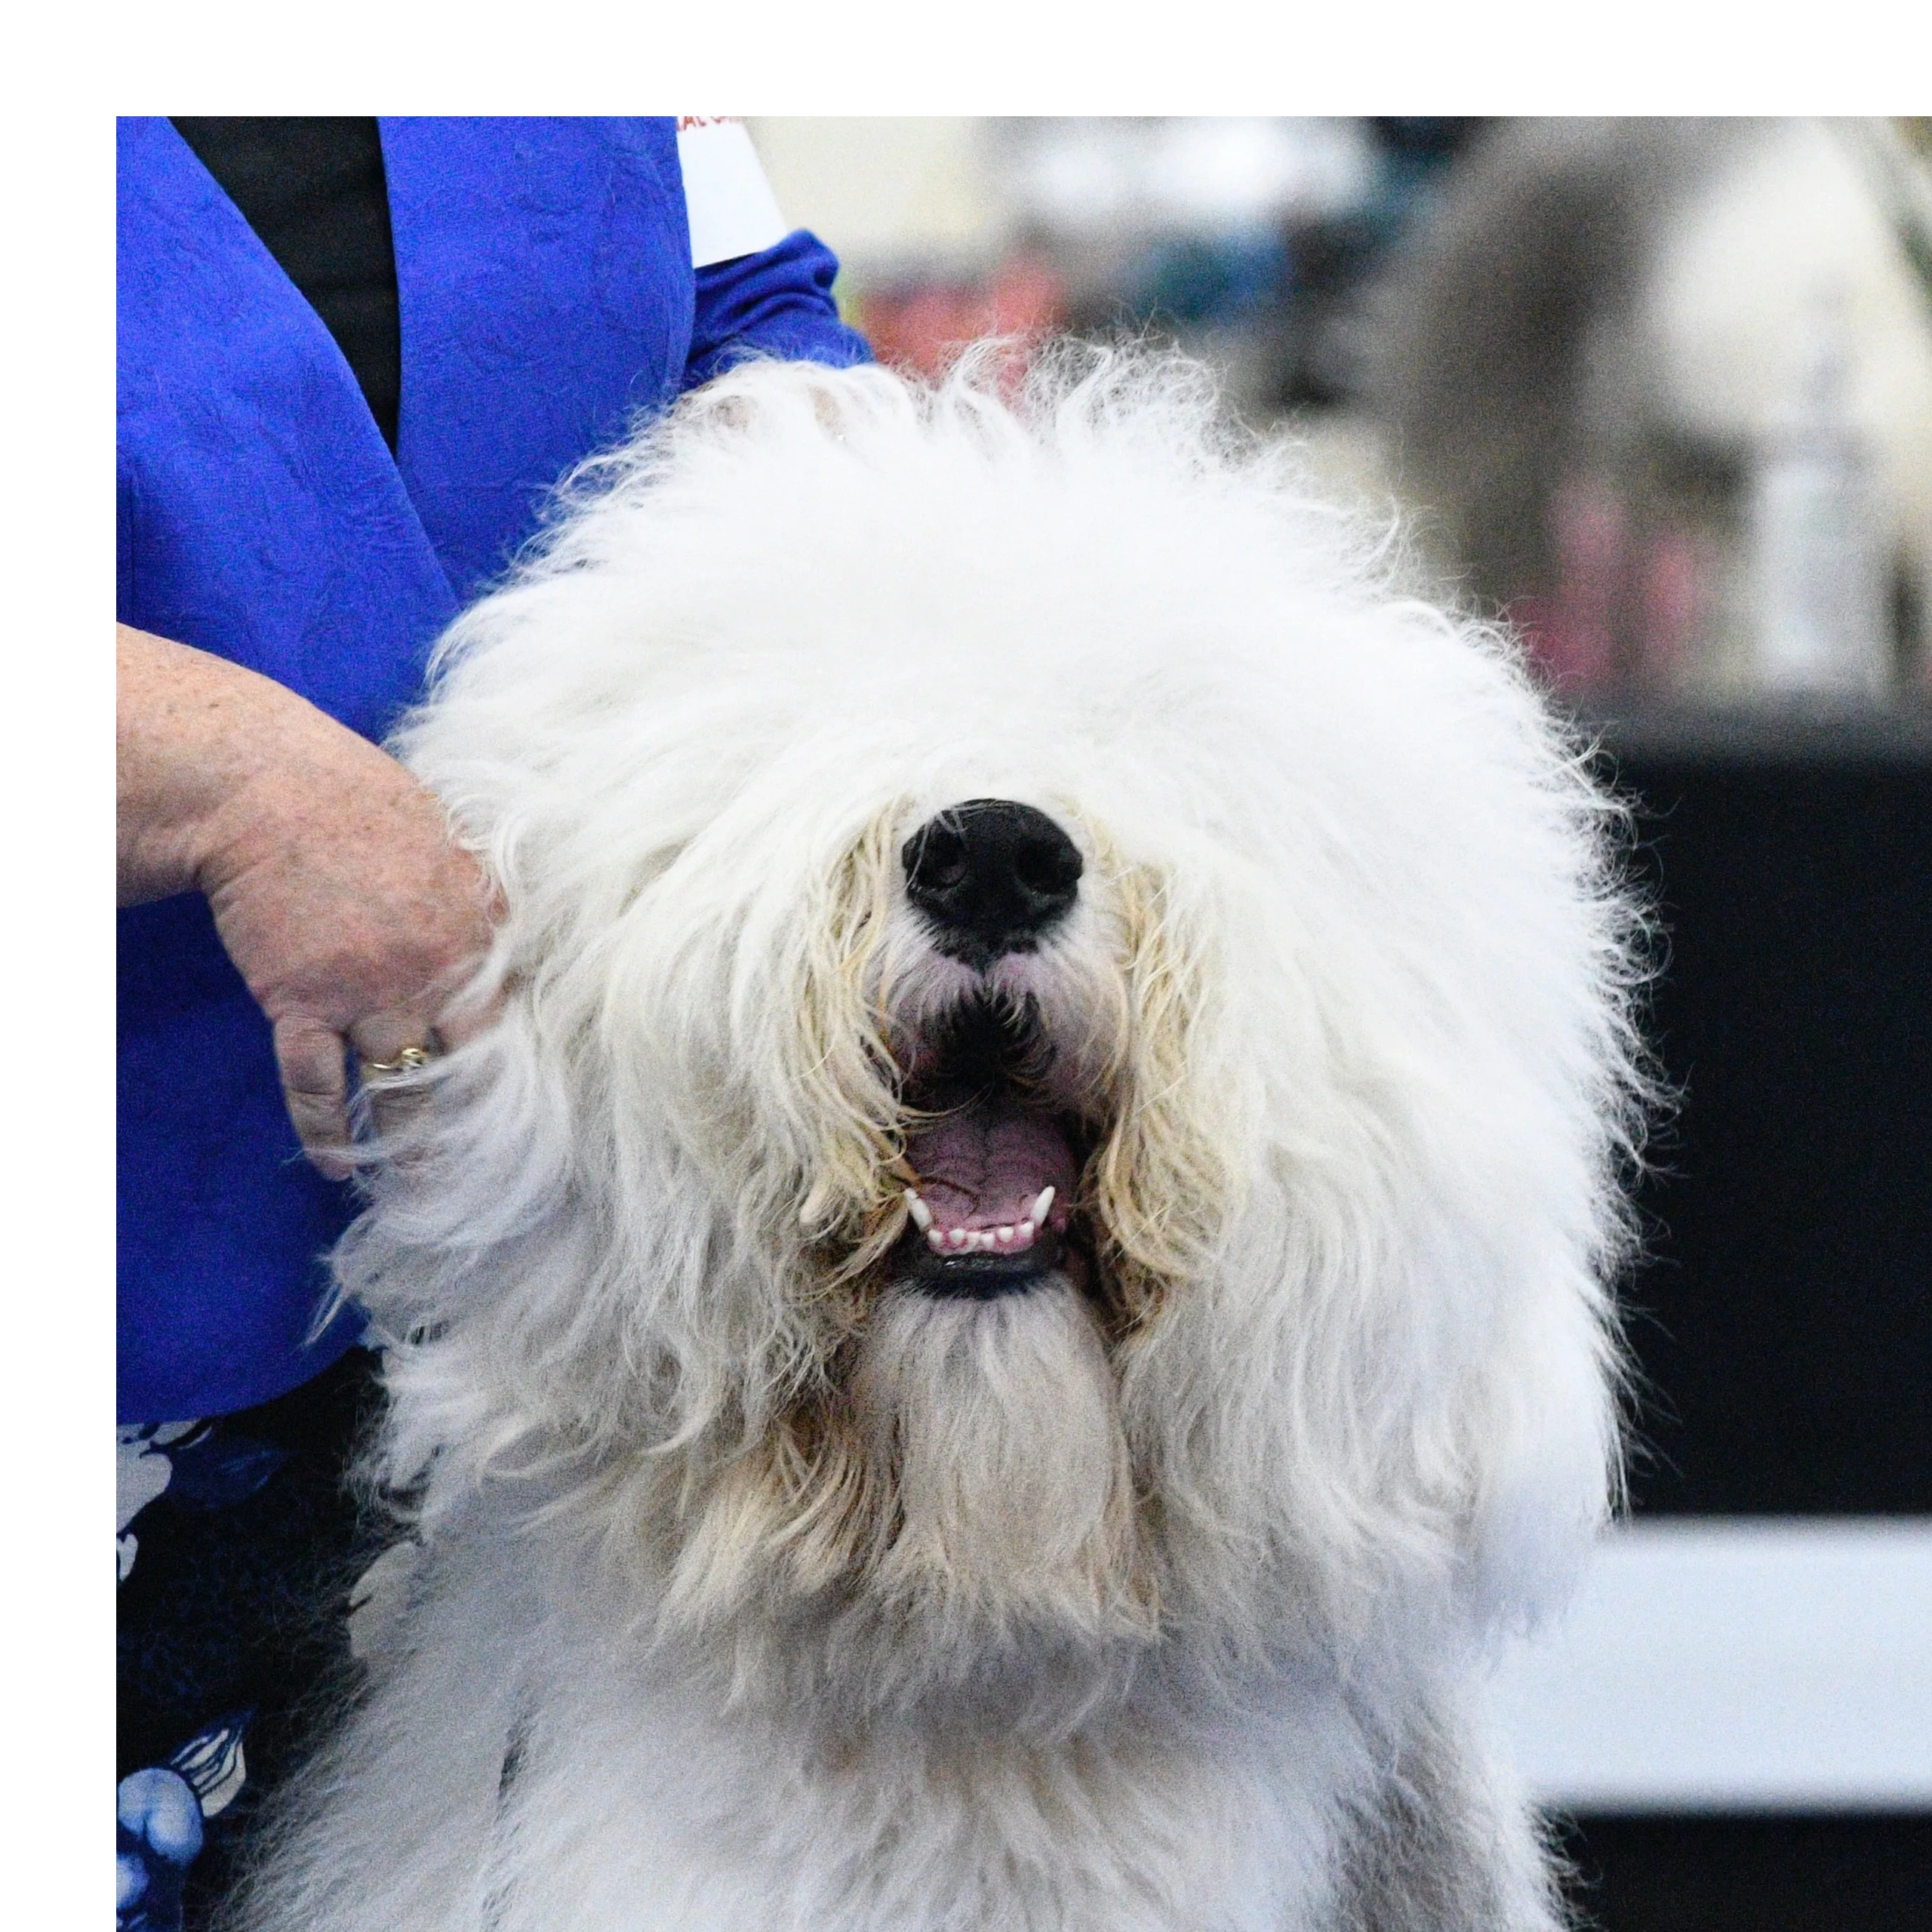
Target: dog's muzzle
{"x":998,"y":1167}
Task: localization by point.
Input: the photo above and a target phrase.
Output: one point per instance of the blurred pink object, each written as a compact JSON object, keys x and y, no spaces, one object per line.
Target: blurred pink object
{"x":1672,"y":602}
{"x":920,"y":328}
{"x":1573,"y":634}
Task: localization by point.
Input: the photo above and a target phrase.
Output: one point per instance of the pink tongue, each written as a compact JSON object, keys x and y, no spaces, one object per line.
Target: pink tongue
{"x":984,"y":1167}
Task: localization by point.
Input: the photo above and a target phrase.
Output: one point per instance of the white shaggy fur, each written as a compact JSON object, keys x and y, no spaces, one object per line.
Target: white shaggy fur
{"x":761,"y":1589}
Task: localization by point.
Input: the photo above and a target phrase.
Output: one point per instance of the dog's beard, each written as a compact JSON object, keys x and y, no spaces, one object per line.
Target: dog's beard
{"x":998,"y":1423}
{"x":953,"y":1526}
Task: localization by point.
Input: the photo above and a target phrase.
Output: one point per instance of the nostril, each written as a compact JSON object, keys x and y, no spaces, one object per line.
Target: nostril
{"x":939,"y":858}
{"x":1047,"y":868}
{"x":991,"y":875}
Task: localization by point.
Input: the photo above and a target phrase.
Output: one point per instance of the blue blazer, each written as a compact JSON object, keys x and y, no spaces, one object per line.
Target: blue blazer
{"x":547,"y":298}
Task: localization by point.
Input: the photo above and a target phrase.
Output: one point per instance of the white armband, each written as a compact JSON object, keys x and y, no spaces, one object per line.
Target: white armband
{"x":727,"y":201}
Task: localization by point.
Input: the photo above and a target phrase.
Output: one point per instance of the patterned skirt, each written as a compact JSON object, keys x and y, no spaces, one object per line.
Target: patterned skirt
{"x":240,"y":1550}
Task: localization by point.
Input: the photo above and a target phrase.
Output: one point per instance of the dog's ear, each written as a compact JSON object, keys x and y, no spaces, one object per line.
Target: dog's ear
{"x":1541,"y":1437}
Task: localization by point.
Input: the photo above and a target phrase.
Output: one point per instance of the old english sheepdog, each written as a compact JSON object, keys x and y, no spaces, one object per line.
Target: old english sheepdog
{"x":1018,"y":1293}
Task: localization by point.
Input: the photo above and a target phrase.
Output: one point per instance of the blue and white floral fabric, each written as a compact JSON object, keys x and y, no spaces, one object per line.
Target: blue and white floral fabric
{"x":239,"y":1553}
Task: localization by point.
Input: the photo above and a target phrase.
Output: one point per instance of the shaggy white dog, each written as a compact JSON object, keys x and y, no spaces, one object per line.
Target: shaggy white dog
{"x":1018,"y":1292}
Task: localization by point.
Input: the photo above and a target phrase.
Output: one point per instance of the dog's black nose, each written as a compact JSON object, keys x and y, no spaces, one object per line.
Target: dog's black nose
{"x":991,"y":875}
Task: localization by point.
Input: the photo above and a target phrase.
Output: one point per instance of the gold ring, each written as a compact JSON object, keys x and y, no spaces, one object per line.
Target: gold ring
{"x":411,"y":1059}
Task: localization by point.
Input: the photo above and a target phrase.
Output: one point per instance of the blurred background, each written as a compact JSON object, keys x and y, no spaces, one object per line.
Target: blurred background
{"x":1659,"y":392}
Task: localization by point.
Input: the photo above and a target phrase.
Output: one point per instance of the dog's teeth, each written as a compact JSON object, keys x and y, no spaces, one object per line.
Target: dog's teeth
{"x":1007,"y":1237}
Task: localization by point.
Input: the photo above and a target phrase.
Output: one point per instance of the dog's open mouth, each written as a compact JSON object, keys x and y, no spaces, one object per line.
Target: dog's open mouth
{"x":998,"y":1165}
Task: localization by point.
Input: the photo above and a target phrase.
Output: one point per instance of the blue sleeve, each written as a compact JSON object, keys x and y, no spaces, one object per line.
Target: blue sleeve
{"x":776,"y":304}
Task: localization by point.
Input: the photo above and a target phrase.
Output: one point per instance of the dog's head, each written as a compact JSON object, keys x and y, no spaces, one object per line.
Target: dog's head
{"x":1065,"y":1047}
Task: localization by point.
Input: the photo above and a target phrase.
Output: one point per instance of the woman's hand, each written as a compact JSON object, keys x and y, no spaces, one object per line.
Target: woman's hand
{"x":335,"y":885}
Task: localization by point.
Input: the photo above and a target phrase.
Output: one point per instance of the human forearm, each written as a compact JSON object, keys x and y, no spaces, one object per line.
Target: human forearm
{"x":194,"y":736}
{"x":333,"y":881}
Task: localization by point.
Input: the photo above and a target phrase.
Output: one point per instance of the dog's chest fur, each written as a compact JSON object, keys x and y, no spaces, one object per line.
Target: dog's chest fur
{"x":562,"y":1778}
{"x":638,"y":1799}
{"x":698,"y":1825}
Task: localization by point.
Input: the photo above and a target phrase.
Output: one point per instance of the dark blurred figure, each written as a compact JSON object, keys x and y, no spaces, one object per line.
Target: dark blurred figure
{"x":1584,"y":357}
{"x":1328,"y":322}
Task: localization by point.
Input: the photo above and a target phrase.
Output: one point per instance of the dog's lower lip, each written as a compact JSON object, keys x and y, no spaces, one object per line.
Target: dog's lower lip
{"x":981,"y":1275}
